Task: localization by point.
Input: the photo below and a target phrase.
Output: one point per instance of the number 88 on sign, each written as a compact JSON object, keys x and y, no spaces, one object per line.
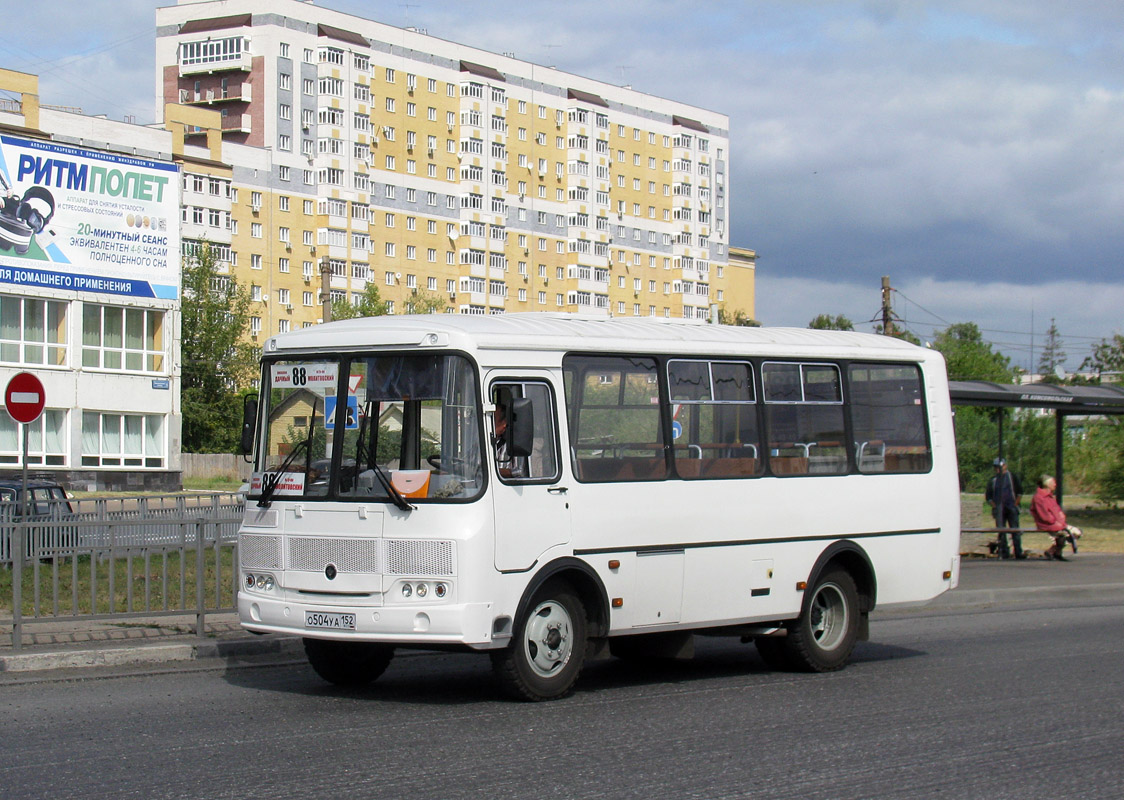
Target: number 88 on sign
{"x":304,"y":376}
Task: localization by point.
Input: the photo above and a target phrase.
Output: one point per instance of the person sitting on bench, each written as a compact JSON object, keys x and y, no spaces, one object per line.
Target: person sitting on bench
{"x":1049,"y":517}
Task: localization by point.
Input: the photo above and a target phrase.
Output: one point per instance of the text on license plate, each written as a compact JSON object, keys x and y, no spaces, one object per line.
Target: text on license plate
{"x":315,"y":619}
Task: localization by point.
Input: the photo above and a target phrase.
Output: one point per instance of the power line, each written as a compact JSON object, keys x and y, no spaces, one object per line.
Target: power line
{"x":927,"y":311}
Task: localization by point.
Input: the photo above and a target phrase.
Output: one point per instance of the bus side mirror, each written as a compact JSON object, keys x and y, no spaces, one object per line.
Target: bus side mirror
{"x":521,"y":428}
{"x":249,"y":422}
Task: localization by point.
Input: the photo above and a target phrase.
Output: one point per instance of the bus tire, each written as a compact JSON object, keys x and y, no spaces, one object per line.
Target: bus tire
{"x":547,"y":651}
{"x":348,"y":663}
{"x":822,"y":639}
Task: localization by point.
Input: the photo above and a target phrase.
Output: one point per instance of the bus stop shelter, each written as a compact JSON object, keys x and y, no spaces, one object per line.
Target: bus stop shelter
{"x":1065,"y":401}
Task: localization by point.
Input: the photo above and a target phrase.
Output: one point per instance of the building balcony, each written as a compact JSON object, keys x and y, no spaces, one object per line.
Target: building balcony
{"x":242,"y":93}
{"x":236,"y":123}
{"x":236,"y":63}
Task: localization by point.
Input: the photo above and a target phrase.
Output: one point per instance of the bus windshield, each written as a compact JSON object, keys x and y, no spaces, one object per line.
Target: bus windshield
{"x":408,"y":426}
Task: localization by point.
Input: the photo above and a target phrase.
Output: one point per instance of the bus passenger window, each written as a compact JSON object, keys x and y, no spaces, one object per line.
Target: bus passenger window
{"x":804,"y":419}
{"x":714,"y":419}
{"x":888,"y":418}
{"x":613,"y":407}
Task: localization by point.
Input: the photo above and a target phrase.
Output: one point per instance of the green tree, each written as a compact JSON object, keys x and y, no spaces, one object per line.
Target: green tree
{"x":216,"y":357}
{"x":738,"y":317}
{"x":370,"y":304}
{"x":426,"y":302}
{"x":969,"y":357}
{"x":1107,"y":357}
{"x":1053,"y":356}
{"x":826,"y":322}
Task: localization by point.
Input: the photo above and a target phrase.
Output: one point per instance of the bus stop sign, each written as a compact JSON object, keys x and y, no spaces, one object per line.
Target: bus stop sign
{"x":24,"y":398}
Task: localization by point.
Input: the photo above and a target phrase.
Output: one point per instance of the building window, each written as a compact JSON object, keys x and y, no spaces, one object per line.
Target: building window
{"x":46,"y":439}
{"x":122,"y":440}
{"x":130,"y":339}
{"x":32,"y":331}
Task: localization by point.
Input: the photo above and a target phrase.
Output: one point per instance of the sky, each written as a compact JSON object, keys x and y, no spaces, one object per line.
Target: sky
{"x":971,"y":150}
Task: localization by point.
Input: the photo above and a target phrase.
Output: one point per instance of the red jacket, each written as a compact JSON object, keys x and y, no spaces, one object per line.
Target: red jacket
{"x":1048,"y":515}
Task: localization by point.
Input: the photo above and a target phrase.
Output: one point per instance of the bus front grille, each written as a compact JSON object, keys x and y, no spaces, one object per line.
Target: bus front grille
{"x":348,"y":555}
{"x":420,"y":558}
{"x":410,"y":557}
{"x":259,"y":552}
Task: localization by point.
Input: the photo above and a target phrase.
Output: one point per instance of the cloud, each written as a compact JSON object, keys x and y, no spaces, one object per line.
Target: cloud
{"x":1013,"y":316}
{"x":971,"y":149}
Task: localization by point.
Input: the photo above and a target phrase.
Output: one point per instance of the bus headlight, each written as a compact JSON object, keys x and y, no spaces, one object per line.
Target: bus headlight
{"x":259,"y":582}
{"x":419,"y":590}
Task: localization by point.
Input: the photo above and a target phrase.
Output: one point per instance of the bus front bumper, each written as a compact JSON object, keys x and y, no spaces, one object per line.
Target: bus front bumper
{"x":415,"y":624}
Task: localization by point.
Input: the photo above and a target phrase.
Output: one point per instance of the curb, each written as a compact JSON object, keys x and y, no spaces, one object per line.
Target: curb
{"x":968,"y":598}
{"x":149,"y":654}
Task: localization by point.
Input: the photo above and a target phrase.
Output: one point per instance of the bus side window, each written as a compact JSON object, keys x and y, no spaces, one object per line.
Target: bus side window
{"x":714,"y":418}
{"x":537,"y":463}
{"x":804,"y":418}
{"x":888,"y":418}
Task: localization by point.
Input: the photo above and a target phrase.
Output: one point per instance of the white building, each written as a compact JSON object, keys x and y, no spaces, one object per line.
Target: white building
{"x":89,"y":292}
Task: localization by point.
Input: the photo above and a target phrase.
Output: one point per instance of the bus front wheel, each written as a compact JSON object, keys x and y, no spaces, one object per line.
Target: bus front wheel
{"x":348,"y":663}
{"x":546,"y":654}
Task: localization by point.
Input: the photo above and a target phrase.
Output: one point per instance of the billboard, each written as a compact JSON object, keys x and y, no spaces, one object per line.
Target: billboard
{"x":88,"y":221}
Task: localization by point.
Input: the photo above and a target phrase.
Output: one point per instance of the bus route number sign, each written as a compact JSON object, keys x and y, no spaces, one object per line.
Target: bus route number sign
{"x":315,"y":377}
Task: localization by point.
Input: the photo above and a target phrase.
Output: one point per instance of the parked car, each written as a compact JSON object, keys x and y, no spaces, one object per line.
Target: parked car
{"x":47,"y":503}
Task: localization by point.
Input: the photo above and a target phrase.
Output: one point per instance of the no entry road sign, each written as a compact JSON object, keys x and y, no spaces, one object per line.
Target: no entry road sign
{"x":24,"y":398}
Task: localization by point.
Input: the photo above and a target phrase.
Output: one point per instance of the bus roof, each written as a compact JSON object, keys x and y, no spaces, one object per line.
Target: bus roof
{"x":565,"y":332}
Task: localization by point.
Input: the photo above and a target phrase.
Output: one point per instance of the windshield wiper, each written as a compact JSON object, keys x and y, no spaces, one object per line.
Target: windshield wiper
{"x":366,"y":450}
{"x":395,"y":495}
{"x":269,"y":481}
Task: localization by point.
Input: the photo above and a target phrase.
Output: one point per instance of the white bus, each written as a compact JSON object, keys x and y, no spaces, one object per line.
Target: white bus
{"x":549,"y":489}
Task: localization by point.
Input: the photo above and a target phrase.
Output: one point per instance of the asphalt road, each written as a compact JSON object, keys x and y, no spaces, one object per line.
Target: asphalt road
{"x":998,"y":703}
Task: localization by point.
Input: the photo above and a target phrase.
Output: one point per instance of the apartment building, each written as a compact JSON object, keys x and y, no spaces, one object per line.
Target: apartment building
{"x":449,"y":177}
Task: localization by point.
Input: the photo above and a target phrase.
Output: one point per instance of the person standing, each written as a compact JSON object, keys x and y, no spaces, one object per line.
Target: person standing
{"x":1049,"y":517}
{"x":1005,"y":493}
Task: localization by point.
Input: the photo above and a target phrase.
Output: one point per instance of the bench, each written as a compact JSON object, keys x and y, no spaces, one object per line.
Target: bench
{"x":992,"y":545}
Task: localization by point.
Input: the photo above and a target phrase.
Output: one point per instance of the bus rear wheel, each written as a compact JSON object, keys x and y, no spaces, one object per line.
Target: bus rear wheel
{"x":548,"y":648}
{"x":822,"y":639}
{"x":348,"y":663}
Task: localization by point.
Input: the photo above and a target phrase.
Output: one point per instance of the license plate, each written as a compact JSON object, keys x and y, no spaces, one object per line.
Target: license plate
{"x":315,"y":619}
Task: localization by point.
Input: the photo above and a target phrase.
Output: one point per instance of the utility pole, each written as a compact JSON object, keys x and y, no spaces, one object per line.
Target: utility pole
{"x":326,"y":288}
{"x":887,"y":311}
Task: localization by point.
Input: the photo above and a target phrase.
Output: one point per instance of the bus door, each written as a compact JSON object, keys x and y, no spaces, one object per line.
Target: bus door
{"x":531,"y":505}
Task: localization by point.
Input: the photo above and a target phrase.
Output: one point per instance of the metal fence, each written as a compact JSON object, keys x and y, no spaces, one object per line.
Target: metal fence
{"x":118,"y":558}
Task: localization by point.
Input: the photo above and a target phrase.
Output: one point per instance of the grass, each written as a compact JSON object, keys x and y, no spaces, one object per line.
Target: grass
{"x":84,"y":584}
{"x":1102,"y":527}
{"x":218,"y":483}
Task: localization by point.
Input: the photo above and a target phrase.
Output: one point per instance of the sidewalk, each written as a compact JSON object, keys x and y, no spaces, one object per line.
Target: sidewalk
{"x":991,"y":581}
{"x":60,"y":648}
